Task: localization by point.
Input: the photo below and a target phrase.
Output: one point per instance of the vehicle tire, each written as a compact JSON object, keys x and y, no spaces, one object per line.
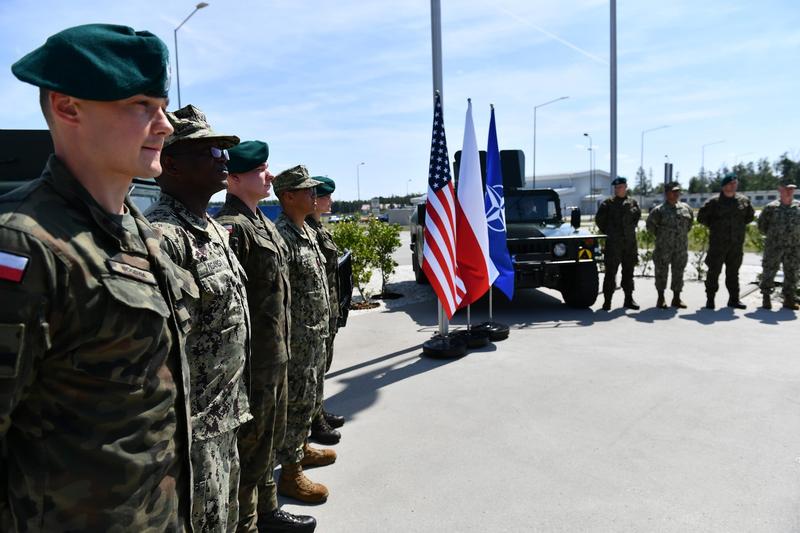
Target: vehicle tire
{"x":419,"y":274}
{"x":579,"y":284}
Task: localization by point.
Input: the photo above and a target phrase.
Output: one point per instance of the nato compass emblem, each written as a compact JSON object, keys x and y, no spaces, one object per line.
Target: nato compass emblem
{"x":496,"y":214}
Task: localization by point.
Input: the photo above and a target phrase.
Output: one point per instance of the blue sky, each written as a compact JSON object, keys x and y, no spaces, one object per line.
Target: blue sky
{"x":331,"y":84}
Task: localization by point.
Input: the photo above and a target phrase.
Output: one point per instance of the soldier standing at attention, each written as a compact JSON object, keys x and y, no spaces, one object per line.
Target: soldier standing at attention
{"x":780,"y":223}
{"x":217,"y":347}
{"x":670,"y":222}
{"x":324,"y":423}
{"x":310,"y":318}
{"x":93,"y":378}
{"x":618,"y":217}
{"x":727,"y":217}
{"x":263,"y":254}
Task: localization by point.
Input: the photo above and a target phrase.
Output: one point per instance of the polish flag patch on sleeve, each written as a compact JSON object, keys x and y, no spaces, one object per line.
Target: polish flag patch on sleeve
{"x":12,"y":266}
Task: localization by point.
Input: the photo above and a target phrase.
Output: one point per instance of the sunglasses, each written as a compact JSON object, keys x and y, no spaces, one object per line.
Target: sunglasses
{"x":216,"y":153}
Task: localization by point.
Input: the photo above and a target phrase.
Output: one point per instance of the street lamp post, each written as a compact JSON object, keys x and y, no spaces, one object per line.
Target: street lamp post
{"x":591,"y":167}
{"x":534,"y":132}
{"x":641,"y":152}
{"x":409,"y":181}
{"x":358,"y":180}
{"x":199,"y":6}
{"x":703,"y":157}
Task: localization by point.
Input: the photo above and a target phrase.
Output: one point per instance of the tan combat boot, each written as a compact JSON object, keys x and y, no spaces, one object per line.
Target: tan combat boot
{"x":317,"y":456}
{"x":790,"y":303}
{"x":294,"y":484}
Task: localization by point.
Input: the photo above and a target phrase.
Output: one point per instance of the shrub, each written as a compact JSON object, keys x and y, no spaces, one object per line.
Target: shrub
{"x":350,"y":235}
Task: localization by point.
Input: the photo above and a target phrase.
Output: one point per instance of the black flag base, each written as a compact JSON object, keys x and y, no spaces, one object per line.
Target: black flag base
{"x":495,"y":330}
{"x":474,"y":339}
{"x":447,"y":347}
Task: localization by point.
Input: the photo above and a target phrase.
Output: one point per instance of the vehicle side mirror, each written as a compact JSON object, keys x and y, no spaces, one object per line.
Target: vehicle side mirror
{"x":575,"y":218}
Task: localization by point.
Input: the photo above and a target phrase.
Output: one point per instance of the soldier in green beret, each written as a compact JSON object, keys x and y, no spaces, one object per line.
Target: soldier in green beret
{"x":264,"y":256}
{"x":310,"y":320}
{"x":217,"y":347}
{"x":93,"y":377}
{"x":324,"y":423}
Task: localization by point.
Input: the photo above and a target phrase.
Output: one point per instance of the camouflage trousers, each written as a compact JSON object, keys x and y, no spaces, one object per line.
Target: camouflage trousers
{"x":663,"y":260}
{"x":730,"y":255}
{"x":774,"y":256}
{"x":258,"y":440}
{"x":215,"y":465}
{"x":326,"y":365}
{"x":305,"y":365}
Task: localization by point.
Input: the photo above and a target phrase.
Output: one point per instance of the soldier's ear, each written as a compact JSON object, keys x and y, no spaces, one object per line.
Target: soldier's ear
{"x":169,"y":165}
{"x":63,"y":108}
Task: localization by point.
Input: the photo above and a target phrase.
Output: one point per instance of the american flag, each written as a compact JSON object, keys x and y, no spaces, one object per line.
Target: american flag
{"x":439,"y":263}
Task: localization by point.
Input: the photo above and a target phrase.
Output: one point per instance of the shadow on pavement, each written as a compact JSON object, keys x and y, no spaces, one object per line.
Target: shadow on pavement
{"x":772,"y":318}
{"x":654,"y":314}
{"x":709,"y":316}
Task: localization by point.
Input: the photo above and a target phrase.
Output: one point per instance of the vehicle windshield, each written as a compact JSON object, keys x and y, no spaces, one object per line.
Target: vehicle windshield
{"x":531,"y":208}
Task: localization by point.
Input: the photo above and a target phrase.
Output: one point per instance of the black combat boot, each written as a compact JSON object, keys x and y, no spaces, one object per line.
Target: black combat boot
{"x":606,"y":302}
{"x":335,"y":421}
{"x":661,"y":302}
{"x":322,"y":432}
{"x":629,"y":302}
{"x":710,"y":300}
{"x":766,"y":302}
{"x":677,"y":302}
{"x":735,"y":302}
{"x":280,"y":521}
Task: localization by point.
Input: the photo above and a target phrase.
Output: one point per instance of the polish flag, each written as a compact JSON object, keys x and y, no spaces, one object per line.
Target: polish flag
{"x":472,"y":234}
{"x":12,"y":266}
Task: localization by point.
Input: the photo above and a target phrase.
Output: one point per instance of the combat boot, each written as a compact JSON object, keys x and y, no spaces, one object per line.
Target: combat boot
{"x":317,"y":457}
{"x":294,"y":484}
{"x":629,"y":302}
{"x":606,"y":303}
{"x":335,"y":421}
{"x":766,"y":302}
{"x":789,"y":303}
{"x":322,"y":432}
{"x":736,"y":303}
{"x":279,"y":521}
{"x":661,"y":302}
{"x":710,"y":301}
{"x":677,"y":302}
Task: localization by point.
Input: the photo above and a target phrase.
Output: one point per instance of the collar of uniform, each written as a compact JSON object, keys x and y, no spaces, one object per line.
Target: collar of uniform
{"x":234,"y":202}
{"x":311,"y":221}
{"x":299,"y":231}
{"x":193,"y":222}
{"x":66,"y":185}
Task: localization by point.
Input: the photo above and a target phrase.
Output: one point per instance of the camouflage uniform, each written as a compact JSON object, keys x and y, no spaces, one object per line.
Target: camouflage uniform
{"x":309,"y":331}
{"x":331,"y":254}
{"x":93,"y":381}
{"x":618,"y":218}
{"x":670,"y":224}
{"x":726,"y":219}
{"x":217,"y":349}
{"x":262,"y":252}
{"x":780,"y":225}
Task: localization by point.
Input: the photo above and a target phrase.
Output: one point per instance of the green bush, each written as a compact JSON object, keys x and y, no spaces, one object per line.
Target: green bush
{"x":384,"y":239}
{"x":646,"y":241}
{"x":698,"y":241}
{"x":753,"y":239}
{"x":352,"y":236}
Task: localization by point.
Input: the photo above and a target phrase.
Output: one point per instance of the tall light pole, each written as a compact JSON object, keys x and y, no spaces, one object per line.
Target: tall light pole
{"x":409,"y":181}
{"x":534,"y":132}
{"x":703,"y":157}
{"x":199,"y":6}
{"x":613,"y":93}
{"x":591,"y":167}
{"x":641,"y":151}
{"x":358,"y":180}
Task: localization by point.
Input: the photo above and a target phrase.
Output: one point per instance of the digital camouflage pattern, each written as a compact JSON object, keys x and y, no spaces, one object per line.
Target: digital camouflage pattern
{"x":617,"y":218}
{"x":331,"y":254}
{"x":93,"y":381}
{"x":218,"y":345}
{"x":263,"y":254}
{"x":670,"y":224}
{"x":215,"y":506}
{"x":310,"y":327}
{"x":780,"y":225}
{"x":727,"y":220}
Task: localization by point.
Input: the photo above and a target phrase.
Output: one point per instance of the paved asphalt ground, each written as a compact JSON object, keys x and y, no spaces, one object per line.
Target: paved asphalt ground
{"x":583,"y":420}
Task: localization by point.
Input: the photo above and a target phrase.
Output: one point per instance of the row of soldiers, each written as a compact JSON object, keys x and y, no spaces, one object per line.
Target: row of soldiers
{"x":726,"y":216}
{"x":154,"y":368}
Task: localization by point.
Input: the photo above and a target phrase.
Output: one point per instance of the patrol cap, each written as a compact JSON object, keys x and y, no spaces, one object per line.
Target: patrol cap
{"x":326,"y":186}
{"x":729,"y":177}
{"x":672,"y":186}
{"x":247,"y":156}
{"x":98,"y":62}
{"x":619,"y":180}
{"x":293,"y":178}
{"x":191,"y":124}
{"x":788,"y":182}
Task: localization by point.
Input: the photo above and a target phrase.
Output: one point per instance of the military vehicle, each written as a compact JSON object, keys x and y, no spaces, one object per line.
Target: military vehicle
{"x":546,"y":250}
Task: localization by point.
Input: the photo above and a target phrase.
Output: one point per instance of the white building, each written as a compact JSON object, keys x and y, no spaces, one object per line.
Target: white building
{"x":576,"y":189}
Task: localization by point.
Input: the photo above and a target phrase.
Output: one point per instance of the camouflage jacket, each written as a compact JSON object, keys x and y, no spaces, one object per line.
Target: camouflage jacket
{"x":780,"y":224}
{"x":331,"y":254}
{"x":617,"y":218}
{"x":310,"y":295}
{"x":93,"y":381}
{"x":219,"y":343}
{"x":671,"y":224}
{"x":726,"y":218}
{"x":263,"y":254}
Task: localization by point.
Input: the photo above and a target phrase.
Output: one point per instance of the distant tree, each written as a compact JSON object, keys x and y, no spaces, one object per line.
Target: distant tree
{"x":643,"y":185}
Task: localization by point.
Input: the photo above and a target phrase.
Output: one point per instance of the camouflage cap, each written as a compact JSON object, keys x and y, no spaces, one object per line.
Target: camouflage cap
{"x":191,"y":124}
{"x":293,"y":178}
{"x":672,"y":186}
{"x":788,"y":182}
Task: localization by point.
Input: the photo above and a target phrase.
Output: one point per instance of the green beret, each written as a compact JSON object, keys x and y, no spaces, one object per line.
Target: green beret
{"x":98,"y":62}
{"x":729,"y":177}
{"x":191,"y":124}
{"x":619,"y":181}
{"x":247,"y":156}
{"x":326,"y":185}
{"x":293,"y":178}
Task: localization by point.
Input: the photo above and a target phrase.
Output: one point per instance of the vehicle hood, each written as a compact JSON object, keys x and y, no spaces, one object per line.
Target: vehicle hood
{"x":528,"y":231}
